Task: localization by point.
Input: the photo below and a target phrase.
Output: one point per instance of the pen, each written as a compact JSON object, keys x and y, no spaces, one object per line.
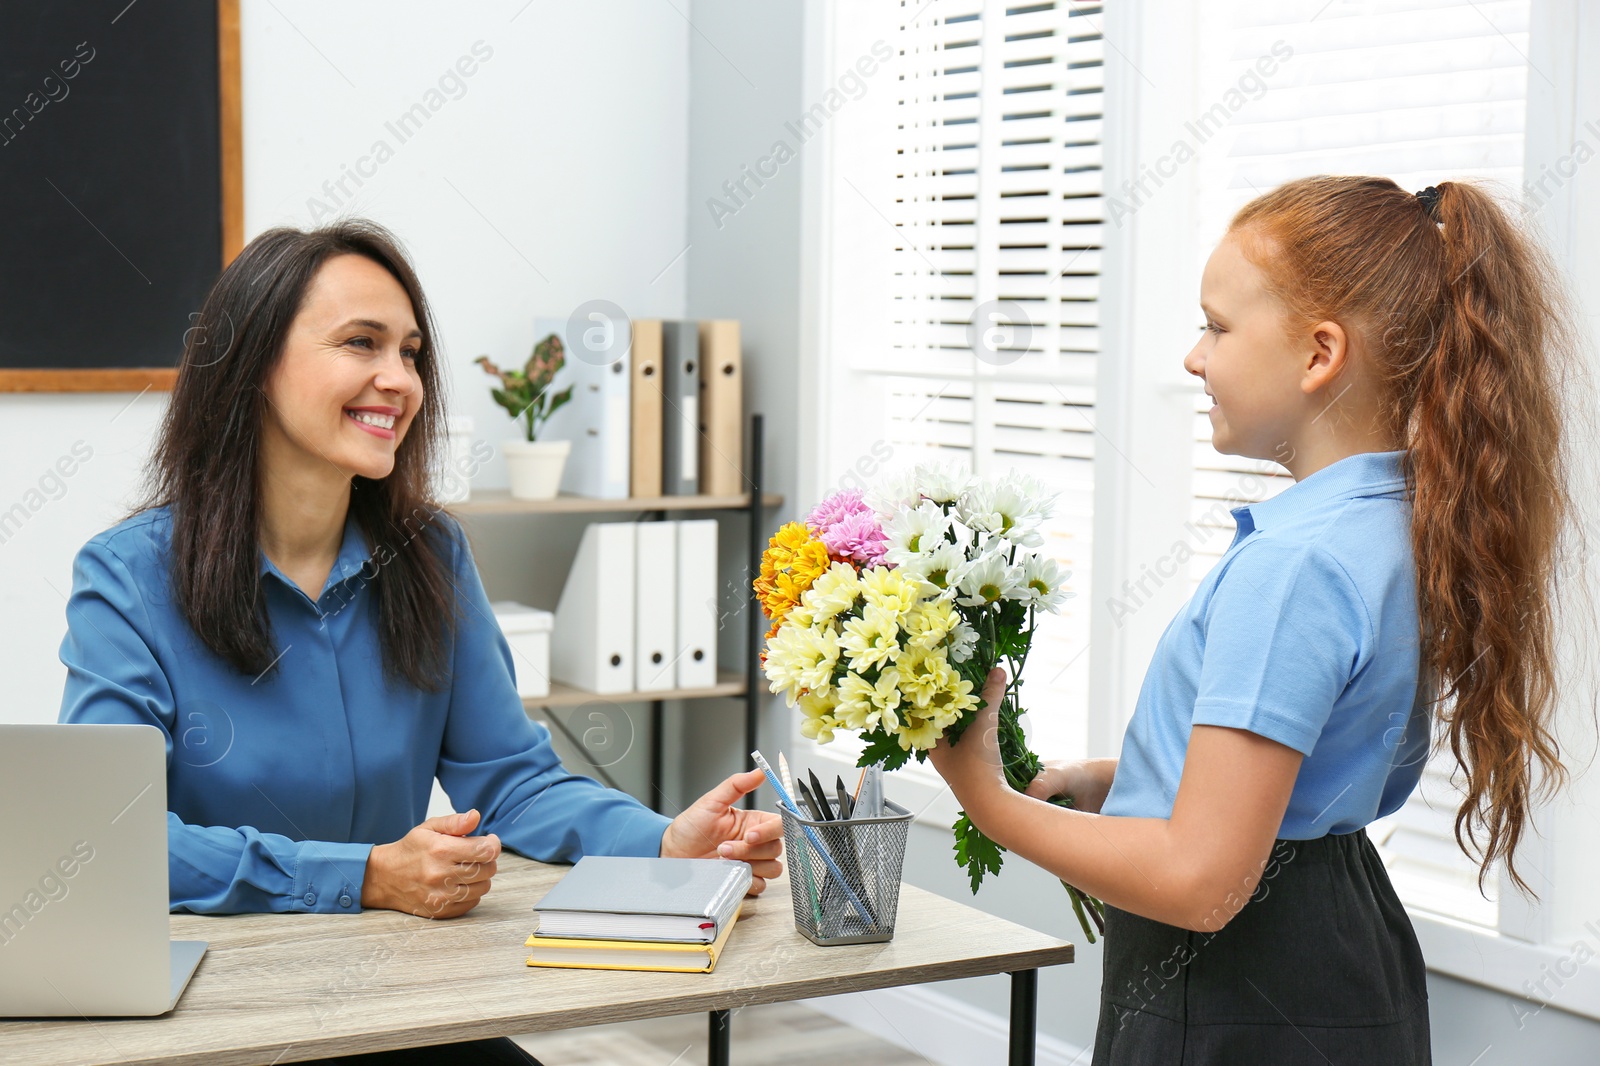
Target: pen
{"x":811,"y":835}
{"x":805,"y":860}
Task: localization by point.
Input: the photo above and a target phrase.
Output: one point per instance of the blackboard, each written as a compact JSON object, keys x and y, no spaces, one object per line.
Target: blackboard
{"x":117,"y":123}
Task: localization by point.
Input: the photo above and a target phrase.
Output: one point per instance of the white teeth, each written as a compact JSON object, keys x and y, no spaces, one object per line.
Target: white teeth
{"x":381,"y":421}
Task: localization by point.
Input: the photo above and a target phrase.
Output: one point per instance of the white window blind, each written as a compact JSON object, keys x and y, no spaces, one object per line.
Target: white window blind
{"x":1420,"y":92}
{"x":972,"y":183}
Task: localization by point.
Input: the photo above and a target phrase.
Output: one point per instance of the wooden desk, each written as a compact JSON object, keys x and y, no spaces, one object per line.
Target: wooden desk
{"x":278,"y":988}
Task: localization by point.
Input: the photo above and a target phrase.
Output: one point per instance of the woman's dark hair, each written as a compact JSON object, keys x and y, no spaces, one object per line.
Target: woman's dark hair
{"x":206,"y":463}
{"x":1466,"y":323}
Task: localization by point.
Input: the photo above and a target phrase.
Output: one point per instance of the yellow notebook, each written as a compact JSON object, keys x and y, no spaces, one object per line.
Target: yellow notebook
{"x":630,"y":954}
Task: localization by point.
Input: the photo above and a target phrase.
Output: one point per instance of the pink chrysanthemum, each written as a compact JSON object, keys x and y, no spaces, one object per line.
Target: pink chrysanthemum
{"x":833,"y":510}
{"x":857,"y":536}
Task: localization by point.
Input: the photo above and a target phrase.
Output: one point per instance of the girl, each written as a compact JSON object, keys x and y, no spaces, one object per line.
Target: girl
{"x":1400,"y":354}
{"x":310,"y":631}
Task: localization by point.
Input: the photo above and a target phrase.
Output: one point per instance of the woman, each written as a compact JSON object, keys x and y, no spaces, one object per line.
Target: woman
{"x":311,"y":632}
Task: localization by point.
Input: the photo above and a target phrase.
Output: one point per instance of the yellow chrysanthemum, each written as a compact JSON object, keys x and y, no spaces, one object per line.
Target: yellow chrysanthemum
{"x":792,"y":561}
{"x":871,"y":640}
{"x":834,"y":591}
{"x":863,"y":704}
{"x":929,"y":623}
{"x":889,"y":591}
{"x":800,"y":658}
{"x":817,"y":721}
{"x":923,"y":674}
{"x":919,"y":734}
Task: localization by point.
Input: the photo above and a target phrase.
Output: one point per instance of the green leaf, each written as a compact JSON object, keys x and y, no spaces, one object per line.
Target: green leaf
{"x":512,"y":403}
{"x":975,"y":852}
{"x":882,"y":748}
{"x":558,"y":400}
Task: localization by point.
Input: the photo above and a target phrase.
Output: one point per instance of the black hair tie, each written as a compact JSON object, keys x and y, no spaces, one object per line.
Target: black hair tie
{"x":1429,"y":199}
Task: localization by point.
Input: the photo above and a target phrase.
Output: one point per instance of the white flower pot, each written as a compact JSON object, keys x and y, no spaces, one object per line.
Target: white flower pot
{"x":535,"y":467}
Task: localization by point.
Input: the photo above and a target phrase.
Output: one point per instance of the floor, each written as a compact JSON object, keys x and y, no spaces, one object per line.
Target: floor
{"x":778,"y":1034}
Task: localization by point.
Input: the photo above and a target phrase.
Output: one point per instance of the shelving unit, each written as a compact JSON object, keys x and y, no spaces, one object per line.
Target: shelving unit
{"x":500,"y":501}
{"x":746,"y":683}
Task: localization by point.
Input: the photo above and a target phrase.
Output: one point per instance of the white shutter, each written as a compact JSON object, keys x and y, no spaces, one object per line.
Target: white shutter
{"x":986,"y":164}
{"x":1421,"y":92}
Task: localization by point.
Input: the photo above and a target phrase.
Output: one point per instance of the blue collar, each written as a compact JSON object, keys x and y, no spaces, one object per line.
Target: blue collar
{"x":1353,"y":477}
{"x":354,"y":551}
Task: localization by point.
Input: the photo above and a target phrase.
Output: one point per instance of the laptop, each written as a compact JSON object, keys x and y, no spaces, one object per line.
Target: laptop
{"x":83,"y":874}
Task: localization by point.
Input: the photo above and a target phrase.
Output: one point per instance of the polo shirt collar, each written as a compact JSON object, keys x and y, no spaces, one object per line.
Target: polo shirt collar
{"x":354,"y":551}
{"x":1353,"y":477}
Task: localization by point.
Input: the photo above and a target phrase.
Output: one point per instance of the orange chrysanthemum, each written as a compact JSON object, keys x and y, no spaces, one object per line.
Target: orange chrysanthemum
{"x":793,"y":560}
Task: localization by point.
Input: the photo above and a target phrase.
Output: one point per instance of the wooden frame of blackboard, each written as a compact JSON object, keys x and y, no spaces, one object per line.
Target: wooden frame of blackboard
{"x":143,"y":379}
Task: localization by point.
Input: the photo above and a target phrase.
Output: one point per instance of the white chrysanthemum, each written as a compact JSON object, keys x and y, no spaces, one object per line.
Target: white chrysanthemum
{"x":989,"y":578}
{"x":916,"y":530}
{"x":871,"y":640}
{"x":895,"y":493}
{"x":889,"y":591}
{"x":963,"y":642}
{"x":1042,"y":581}
{"x":939,"y":482}
{"x":1013,"y":507}
{"x":833,"y":592}
{"x":935,"y":569}
{"x":863,"y":704}
{"x":800,"y":658}
{"x":943,"y":483}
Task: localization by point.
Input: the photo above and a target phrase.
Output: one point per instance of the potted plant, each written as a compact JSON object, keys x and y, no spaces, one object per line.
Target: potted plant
{"x":535,"y":465}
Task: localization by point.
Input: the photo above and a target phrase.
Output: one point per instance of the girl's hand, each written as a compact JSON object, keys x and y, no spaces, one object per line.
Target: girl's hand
{"x":971,"y":765}
{"x":434,"y":871}
{"x":1086,"y":780}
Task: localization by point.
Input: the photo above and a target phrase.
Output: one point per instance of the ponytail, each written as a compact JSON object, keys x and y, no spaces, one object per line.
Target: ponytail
{"x":1486,"y":471}
{"x":1463,"y":317}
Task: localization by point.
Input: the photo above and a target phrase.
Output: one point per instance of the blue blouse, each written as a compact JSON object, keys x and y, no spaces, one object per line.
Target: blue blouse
{"x":278,"y":786}
{"x":1306,"y":632}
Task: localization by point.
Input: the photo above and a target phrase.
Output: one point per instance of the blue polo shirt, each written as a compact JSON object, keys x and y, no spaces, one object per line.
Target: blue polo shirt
{"x":1306,"y":632}
{"x":278,"y":786}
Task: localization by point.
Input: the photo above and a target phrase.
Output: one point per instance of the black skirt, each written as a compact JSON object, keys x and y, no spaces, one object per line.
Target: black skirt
{"x":1320,"y":967}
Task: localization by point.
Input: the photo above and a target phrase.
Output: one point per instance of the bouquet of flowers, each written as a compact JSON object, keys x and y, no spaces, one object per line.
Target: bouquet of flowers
{"x":889,"y":611}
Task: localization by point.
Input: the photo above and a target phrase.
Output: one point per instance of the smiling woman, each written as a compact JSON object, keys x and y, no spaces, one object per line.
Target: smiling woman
{"x":290,"y":580}
{"x":262,"y":441}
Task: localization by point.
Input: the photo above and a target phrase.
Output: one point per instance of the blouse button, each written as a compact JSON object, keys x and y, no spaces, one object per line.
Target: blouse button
{"x":344,"y":900}
{"x":310,"y":899}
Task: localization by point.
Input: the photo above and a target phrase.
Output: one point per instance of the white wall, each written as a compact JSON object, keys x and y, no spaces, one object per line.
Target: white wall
{"x":571,"y":140}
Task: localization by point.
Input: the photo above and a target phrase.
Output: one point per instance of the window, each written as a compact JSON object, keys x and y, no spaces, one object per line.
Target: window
{"x":966,"y":211}
{"x":923,"y":200}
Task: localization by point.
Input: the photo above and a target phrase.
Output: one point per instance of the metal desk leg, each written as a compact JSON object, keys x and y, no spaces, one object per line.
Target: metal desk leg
{"x":1024,"y":1016}
{"x":721,"y":1051}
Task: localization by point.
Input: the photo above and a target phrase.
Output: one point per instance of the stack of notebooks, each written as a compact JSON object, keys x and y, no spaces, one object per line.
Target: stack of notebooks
{"x":665,"y":418}
{"x":623,"y":913}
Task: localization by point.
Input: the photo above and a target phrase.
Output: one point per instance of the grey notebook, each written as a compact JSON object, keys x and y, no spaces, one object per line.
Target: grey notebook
{"x":606,"y":897}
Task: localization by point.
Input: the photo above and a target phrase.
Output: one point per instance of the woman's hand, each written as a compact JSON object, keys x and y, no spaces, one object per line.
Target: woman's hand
{"x":714,"y":827}
{"x":434,"y":871}
{"x":1086,"y":780}
{"x":971,"y":765}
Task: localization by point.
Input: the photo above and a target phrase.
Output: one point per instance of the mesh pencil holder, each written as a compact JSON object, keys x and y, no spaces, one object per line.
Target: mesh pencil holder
{"x":844,"y":876}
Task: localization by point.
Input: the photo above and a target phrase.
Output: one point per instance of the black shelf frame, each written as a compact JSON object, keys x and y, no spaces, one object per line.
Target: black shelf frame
{"x":756,"y":541}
